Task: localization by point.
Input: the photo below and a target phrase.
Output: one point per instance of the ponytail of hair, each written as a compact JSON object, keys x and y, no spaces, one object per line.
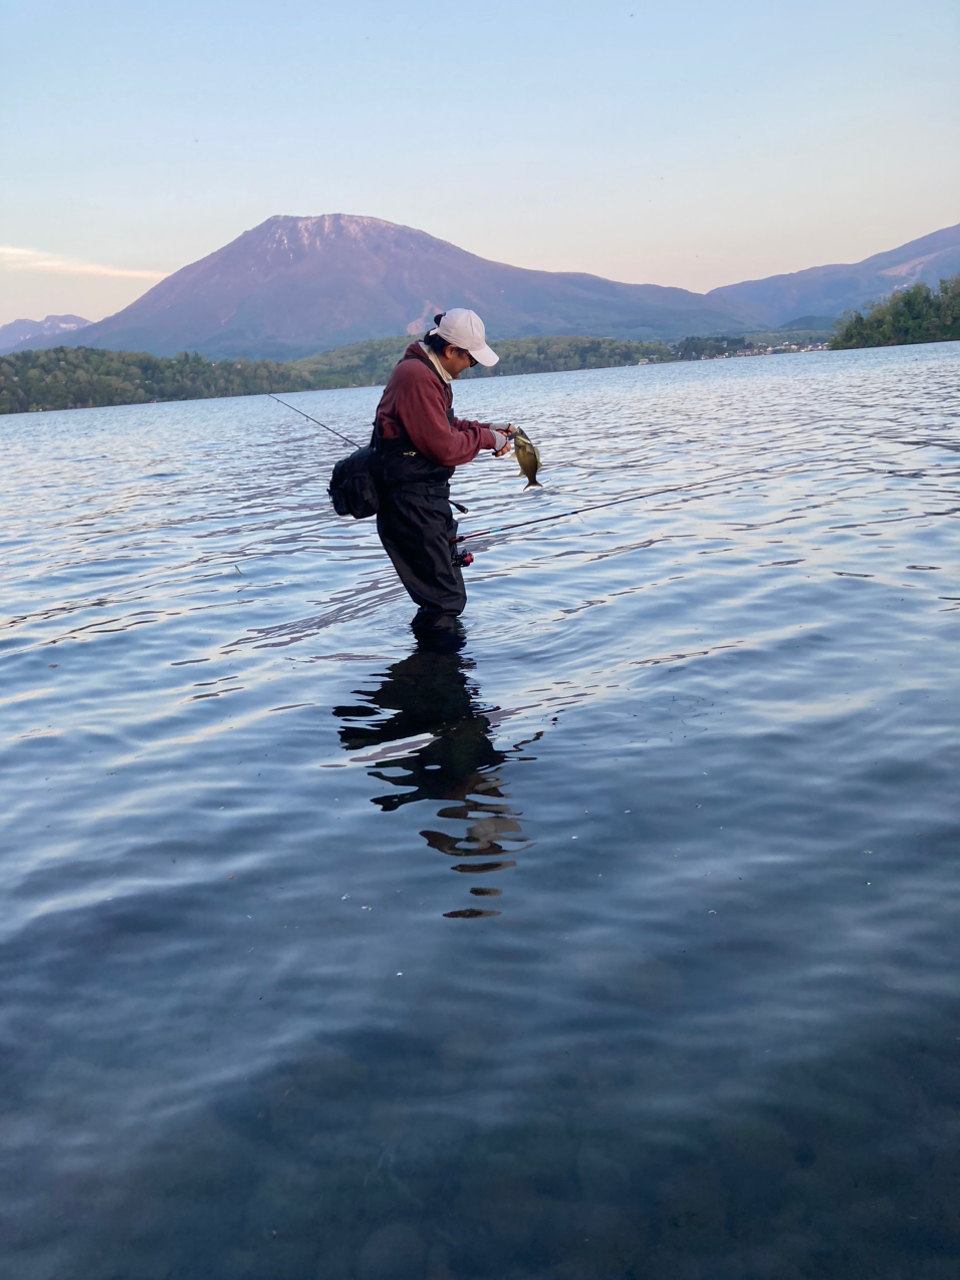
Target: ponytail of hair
{"x":433,"y":340}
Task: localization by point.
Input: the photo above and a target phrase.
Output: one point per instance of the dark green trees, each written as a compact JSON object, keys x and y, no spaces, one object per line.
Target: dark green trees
{"x":916,"y":314}
{"x":85,"y":378}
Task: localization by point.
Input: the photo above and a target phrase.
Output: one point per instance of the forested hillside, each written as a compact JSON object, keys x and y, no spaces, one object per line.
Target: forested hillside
{"x":85,"y":377}
{"x":368,"y":364}
{"x":917,"y":314}
{"x":552,"y":355}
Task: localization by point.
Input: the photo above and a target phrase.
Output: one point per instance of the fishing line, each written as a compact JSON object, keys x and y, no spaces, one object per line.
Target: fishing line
{"x":346,"y":439}
{"x":598,"y":506}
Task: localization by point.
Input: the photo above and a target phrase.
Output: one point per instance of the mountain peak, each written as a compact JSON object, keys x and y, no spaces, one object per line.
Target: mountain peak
{"x":294,"y":286}
{"x":329,"y":229}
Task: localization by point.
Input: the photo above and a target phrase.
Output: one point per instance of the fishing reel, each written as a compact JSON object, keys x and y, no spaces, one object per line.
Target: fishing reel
{"x":462,"y":558}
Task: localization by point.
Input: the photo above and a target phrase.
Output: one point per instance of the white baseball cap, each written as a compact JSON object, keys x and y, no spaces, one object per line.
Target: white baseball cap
{"x":463,"y":328}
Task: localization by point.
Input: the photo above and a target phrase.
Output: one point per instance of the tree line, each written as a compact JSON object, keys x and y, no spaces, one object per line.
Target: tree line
{"x":368,"y":364}
{"x":86,"y":377}
{"x":917,"y":314}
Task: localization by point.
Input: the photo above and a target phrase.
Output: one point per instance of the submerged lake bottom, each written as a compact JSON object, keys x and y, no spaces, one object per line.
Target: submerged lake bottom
{"x":616,"y":942}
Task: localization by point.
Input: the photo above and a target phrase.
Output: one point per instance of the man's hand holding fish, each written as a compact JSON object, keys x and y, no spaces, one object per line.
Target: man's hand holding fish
{"x":509,"y":431}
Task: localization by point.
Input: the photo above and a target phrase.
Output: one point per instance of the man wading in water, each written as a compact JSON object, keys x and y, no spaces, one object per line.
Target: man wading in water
{"x":419,"y":443}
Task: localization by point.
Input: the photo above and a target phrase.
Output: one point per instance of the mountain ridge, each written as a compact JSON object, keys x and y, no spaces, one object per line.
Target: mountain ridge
{"x":297,"y":286}
{"x":839,"y":287}
{"x":17,"y":332}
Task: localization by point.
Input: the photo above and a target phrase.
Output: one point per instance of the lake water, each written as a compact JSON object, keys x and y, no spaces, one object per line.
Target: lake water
{"x":620,"y":945}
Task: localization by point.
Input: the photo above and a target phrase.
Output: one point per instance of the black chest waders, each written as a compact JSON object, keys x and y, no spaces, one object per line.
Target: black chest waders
{"x":416,"y":526}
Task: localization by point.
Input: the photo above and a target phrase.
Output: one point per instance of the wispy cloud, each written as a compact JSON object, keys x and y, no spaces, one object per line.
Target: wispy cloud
{"x":14,"y":259}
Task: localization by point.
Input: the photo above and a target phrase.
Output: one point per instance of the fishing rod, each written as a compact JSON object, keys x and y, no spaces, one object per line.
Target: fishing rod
{"x":524,"y":524}
{"x":346,"y":439}
{"x":598,"y":506}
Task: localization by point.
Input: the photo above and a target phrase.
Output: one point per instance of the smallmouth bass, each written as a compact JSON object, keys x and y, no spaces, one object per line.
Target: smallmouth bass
{"x":528,"y":456}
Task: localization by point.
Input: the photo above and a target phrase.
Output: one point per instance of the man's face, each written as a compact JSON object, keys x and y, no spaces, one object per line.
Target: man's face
{"x":455,"y":360}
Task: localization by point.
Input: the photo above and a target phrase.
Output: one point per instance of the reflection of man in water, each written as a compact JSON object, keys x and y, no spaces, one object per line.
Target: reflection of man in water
{"x":445,"y":749}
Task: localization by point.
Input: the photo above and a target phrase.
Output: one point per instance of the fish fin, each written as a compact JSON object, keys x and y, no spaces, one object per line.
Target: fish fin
{"x":532,"y":484}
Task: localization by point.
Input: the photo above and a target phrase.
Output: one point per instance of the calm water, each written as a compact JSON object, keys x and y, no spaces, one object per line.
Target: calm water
{"x":622,"y":945}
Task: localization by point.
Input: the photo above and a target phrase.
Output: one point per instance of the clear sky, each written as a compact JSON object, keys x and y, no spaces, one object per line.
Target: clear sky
{"x":691,"y":143}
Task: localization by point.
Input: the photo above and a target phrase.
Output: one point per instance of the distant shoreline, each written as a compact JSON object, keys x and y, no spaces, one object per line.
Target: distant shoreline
{"x":87,"y":377}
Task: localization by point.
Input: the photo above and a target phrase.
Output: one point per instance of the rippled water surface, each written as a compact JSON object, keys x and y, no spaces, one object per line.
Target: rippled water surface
{"x":621,"y":945}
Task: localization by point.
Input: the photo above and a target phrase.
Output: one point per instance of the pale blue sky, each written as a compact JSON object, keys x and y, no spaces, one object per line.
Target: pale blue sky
{"x":693,"y":144}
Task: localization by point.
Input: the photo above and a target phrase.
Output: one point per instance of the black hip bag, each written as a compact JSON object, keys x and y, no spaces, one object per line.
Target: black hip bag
{"x":352,"y":489}
{"x":356,"y":480}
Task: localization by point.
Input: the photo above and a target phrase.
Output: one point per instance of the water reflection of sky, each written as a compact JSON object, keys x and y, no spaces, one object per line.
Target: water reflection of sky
{"x":704,"y":748}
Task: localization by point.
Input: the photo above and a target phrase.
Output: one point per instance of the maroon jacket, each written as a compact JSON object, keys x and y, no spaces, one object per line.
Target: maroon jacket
{"x":418,"y":399}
